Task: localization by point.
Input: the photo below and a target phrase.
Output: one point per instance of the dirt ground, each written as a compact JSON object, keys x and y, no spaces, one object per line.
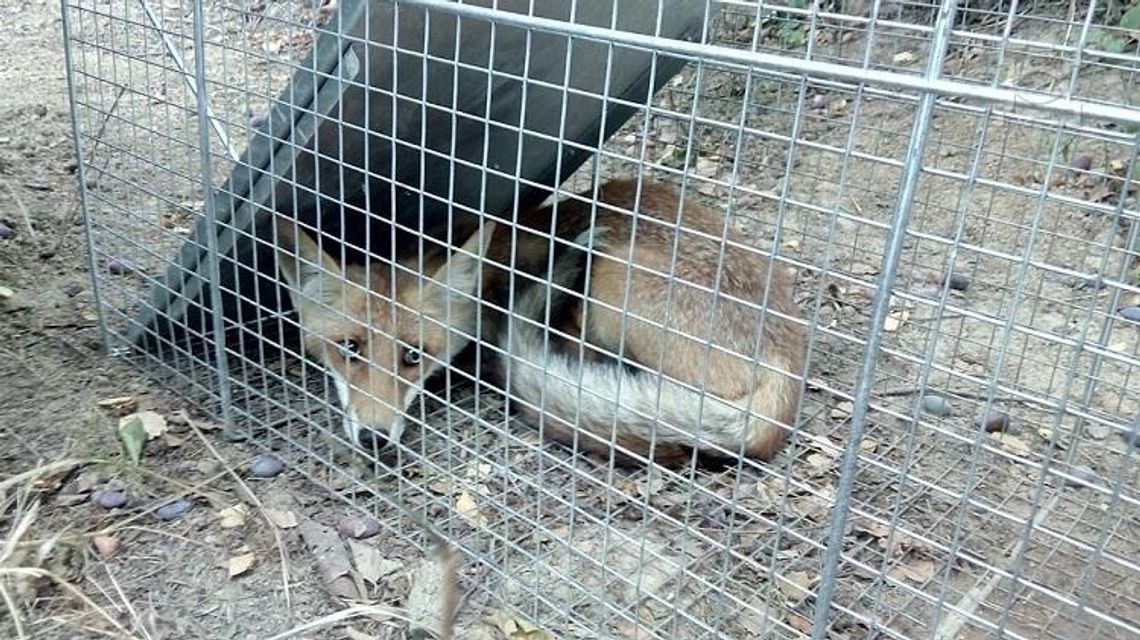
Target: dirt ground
{"x":165,"y":580}
{"x":242,"y":562}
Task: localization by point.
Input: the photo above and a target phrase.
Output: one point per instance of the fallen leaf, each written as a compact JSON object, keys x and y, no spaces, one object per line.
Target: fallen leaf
{"x":88,"y":480}
{"x":283,"y":519}
{"x":799,"y":623}
{"x":905,"y":57}
{"x":240,"y":564}
{"x":232,"y":517}
{"x":896,"y":319}
{"x":707,"y":167}
{"x":516,"y":628}
{"x":819,"y":462}
{"x":469,"y":510}
{"x":917,"y":571}
{"x":871,"y":528}
{"x":153,"y":424}
{"x":119,"y":404}
{"x":332,"y":560}
{"x":842,"y":410}
{"x":132,"y":434}
{"x":795,"y":586}
{"x":1012,"y":444}
{"x":370,"y":563}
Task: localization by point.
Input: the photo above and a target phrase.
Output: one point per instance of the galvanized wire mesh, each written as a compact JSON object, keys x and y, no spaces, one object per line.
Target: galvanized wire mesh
{"x":954,"y":188}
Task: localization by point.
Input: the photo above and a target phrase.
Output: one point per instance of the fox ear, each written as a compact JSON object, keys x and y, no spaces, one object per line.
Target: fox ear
{"x":459,"y":276}
{"x":461,"y":271}
{"x":300,"y":259}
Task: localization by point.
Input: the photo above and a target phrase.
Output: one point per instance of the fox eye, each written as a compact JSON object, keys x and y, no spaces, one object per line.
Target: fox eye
{"x":349,"y":349}
{"x":412,"y":357}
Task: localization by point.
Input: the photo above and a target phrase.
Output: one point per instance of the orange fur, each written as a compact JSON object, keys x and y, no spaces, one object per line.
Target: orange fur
{"x":692,"y":295}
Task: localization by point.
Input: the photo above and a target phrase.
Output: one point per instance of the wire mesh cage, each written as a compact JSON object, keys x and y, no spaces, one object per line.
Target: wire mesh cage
{"x":518,"y":273}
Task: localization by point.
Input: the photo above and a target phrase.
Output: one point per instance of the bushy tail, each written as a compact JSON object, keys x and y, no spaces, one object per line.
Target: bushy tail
{"x":604,"y":398}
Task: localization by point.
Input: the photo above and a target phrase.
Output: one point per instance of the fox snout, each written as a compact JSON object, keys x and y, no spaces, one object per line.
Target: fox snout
{"x":370,"y":420}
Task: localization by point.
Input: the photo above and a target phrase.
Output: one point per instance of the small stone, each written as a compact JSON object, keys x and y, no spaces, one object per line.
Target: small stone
{"x":358,"y":527}
{"x":997,"y":421}
{"x":935,"y":405}
{"x":1081,"y":477}
{"x":172,"y":510}
{"x":5,"y":231}
{"x":39,"y":110}
{"x":119,"y":266}
{"x":957,"y":282}
{"x":266,"y":466}
{"x":72,"y":289}
{"x":819,"y":101}
{"x":1131,"y":314}
{"x":1081,"y":162}
{"x":110,"y":499}
{"x":105,"y":546}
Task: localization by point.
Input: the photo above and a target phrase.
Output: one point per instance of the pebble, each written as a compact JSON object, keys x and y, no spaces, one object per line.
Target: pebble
{"x":358,"y":527}
{"x":173,"y":510}
{"x":110,"y":499}
{"x":957,"y":282}
{"x":106,"y":546}
{"x":1130,"y":313}
{"x":266,"y":466}
{"x":1081,"y":162}
{"x":997,"y":421}
{"x":935,"y":405}
{"x":1081,"y":476}
{"x":119,"y":266}
{"x":5,"y":231}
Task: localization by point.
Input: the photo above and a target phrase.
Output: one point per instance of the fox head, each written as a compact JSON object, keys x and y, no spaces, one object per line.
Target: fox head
{"x":380,"y":332}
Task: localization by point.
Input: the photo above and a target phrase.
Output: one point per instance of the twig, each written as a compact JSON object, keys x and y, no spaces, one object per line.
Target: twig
{"x":14,"y":611}
{"x":23,"y":209}
{"x":450,"y":600}
{"x":340,"y":616}
{"x":86,"y":160}
{"x":965,"y":395}
{"x":33,"y":572}
{"x":257,"y":503}
{"x":52,"y":467}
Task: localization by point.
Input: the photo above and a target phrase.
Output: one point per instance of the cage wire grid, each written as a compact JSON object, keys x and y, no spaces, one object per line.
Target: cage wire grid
{"x":953,"y":186}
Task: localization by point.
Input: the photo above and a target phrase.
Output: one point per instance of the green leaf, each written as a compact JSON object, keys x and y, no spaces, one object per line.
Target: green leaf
{"x":133,"y":434}
{"x":1131,"y":19}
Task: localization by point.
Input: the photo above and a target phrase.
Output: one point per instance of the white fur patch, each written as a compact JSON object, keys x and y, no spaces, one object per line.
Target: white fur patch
{"x":351,"y":423}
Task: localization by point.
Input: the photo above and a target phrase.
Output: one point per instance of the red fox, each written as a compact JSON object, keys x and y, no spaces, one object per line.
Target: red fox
{"x":696,"y":356}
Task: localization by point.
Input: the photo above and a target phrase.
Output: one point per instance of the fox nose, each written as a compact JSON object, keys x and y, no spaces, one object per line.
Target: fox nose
{"x":368,"y":436}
